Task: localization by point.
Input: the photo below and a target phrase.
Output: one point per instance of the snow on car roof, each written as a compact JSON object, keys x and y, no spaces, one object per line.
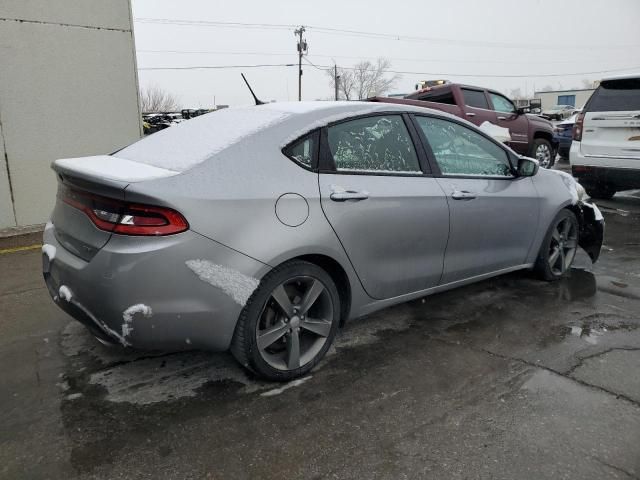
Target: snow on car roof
{"x":189,"y":143}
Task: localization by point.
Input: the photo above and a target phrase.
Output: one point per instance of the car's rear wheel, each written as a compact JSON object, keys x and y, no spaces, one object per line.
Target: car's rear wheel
{"x":601,"y":192}
{"x":289,"y":322}
{"x":542,"y":151}
{"x":559,"y":247}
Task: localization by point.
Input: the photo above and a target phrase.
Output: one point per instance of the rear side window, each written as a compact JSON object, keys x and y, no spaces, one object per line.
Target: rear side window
{"x":379,"y":144}
{"x":616,"y":96}
{"x":475,"y":98}
{"x":302,"y":150}
{"x":439,"y":97}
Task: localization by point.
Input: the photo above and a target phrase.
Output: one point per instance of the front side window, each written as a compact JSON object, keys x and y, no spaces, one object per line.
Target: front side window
{"x":373,"y":144}
{"x":458,"y":150}
{"x":501,"y":104}
{"x":475,"y":98}
{"x":302,"y":150}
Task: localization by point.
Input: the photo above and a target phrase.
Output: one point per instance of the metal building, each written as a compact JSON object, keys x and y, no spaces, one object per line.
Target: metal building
{"x":575,"y":98}
{"x":68,"y":88}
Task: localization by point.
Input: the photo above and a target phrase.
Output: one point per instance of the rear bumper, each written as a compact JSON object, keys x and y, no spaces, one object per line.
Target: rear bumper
{"x":141,"y":292}
{"x":617,"y":178}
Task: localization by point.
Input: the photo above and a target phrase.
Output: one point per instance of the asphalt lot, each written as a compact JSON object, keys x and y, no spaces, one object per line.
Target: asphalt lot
{"x":510,"y":378}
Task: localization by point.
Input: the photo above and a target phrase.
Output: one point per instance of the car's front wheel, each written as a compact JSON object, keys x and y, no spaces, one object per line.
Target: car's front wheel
{"x":542,"y":151}
{"x":559,"y":247}
{"x":289,"y":322}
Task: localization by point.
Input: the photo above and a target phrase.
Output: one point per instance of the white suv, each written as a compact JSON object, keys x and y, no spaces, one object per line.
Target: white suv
{"x":605,"y":153}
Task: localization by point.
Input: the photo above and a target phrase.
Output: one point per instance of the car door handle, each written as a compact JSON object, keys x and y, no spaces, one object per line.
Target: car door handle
{"x":471,"y":114}
{"x":348,"y":195}
{"x":502,"y":118}
{"x":463,"y":195}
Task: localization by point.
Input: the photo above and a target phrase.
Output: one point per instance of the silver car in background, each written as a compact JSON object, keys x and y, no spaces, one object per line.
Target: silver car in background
{"x":262,"y":229}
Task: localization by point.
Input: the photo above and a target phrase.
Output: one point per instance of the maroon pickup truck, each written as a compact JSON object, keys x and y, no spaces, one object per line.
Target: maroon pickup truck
{"x":530,"y":135}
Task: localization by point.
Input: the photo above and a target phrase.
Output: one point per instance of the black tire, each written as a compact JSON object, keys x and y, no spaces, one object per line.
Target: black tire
{"x":601,"y":192}
{"x":542,"y":143}
{"x":244,"y":345}
{"x":542,"y":267}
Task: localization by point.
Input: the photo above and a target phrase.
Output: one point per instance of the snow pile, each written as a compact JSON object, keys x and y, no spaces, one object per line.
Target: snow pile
{"x":185,"y":145}
{"x":128,"y":314}
{"x":496,"y":132}
{"x":65,"y":293}
{"x":49,"y":251}
{"x":235,"y":284}
{"x":114,"y":168}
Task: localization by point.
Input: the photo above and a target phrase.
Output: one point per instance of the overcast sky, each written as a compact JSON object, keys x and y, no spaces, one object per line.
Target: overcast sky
{"x":463,"y":41}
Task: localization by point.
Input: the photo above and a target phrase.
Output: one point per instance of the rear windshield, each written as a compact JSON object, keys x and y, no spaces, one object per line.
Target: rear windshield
{"x":616,"y":96}
{"x":183,"y":146}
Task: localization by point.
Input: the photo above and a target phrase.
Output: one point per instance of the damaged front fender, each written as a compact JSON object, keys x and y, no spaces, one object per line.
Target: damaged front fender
{"x":591,"y":229}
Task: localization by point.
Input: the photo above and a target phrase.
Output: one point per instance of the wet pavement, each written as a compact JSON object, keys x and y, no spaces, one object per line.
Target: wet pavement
{"x":510,"y":378}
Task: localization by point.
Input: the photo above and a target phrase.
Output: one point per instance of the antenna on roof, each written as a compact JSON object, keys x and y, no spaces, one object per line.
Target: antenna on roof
{"x":258,"y":102}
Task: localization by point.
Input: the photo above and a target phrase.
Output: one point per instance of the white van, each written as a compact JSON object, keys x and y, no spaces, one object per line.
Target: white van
{"x":605,"y":153}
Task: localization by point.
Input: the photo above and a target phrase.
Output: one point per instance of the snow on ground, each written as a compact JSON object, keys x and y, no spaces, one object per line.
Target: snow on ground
{"x":235,"y":284}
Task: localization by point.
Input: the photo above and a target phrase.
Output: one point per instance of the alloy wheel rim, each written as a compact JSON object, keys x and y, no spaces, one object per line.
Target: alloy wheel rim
{"x":543,"y":155}
{"x":563,"y":247}
{"x":295,"y":323}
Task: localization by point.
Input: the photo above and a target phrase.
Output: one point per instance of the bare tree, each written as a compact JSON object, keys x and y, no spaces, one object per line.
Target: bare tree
{"x":364,"y":80}
{"x":155,"y":99}
{"x":516,"y":94}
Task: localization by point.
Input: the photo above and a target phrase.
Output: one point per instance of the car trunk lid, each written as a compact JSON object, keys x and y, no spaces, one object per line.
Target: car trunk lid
{"x":86,"y":187}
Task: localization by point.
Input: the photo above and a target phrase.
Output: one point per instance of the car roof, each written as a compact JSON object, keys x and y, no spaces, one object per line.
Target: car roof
{"x":622,"y":77}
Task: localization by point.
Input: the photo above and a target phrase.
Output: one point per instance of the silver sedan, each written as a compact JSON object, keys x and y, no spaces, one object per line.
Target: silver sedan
{"x":262,"y":229}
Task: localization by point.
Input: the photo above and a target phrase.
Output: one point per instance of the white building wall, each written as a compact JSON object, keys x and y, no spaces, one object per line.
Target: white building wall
{"x":549,"y":99}
{"x":68,"y":88}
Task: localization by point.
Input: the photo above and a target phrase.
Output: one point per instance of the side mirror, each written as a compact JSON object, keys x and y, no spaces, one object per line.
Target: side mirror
{"x":523,"y":110}
{"x":527,"y":167}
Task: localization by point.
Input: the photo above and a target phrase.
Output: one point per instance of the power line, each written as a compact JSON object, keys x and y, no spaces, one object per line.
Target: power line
{"x":402,"y":72}
{"x":206,"y":23}
{"x":373,"y":35}
{"x":356,"y":57}
{"x":215,"y":67}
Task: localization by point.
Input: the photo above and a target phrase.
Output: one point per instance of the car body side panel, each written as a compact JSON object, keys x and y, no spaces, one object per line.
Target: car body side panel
{"x":189,"y":304}
{"x":492,"y":231}
{"x":397,"y":236}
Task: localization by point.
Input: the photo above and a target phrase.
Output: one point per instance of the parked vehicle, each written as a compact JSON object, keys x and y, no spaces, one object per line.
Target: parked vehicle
{"x":262,"y":229}
{"x":559,"y":112}
{"x":605,"y":153}
{"x":563,"y":134}
{"x":530,"y":134}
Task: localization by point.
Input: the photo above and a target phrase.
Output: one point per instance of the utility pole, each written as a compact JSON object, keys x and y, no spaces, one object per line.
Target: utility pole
{"x":302,"y":50}
{"x":336,"y":79}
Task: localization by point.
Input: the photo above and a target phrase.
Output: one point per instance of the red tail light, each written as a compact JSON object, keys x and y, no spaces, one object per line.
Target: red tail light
{"x":125,"y":218}
{"x":577,"y":127}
